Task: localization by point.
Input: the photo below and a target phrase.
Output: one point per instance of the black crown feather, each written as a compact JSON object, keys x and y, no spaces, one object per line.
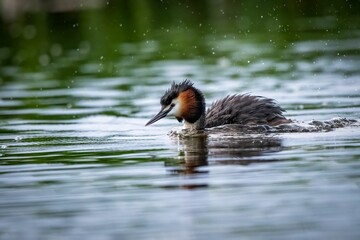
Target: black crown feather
{"x":174,"y":91}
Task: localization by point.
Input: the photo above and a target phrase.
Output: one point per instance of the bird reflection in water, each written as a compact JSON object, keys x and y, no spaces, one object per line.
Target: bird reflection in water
{"x":193,"y":153}
{"x":212,"y":149}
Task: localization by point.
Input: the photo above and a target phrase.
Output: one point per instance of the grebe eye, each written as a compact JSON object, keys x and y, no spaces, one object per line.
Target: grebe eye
{"x":172,"y":105}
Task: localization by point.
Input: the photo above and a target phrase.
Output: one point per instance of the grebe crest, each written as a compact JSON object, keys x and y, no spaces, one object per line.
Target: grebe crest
{"x":187,"y":104}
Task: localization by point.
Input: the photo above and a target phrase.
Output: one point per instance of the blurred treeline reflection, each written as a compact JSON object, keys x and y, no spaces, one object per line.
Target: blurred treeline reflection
{"x":35,"y":31}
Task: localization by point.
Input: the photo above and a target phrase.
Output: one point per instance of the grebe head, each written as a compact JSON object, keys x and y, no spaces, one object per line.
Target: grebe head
{"x":185,"y":102}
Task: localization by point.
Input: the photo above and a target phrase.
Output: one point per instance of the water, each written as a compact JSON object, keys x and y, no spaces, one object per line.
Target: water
{"x":77,"y":162}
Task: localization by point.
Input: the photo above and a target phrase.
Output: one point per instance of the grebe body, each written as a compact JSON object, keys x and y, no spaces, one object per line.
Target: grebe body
{"x":187,"y":104}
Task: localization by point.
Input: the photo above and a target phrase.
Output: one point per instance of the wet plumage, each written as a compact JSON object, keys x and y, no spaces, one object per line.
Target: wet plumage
{"x":187,"y":104}
{"x":244,"y":109}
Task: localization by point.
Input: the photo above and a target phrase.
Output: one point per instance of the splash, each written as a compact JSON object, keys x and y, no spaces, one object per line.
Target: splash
{"x":294,"y":127}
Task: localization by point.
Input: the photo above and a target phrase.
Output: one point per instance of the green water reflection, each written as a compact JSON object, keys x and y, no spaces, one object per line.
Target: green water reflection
{"x":40,"y":40}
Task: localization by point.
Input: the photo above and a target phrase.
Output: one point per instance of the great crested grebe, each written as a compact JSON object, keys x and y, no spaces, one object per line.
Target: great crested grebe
{"x":187,"y":104}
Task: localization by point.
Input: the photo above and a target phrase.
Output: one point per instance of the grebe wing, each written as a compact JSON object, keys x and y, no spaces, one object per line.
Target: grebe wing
{"x":244,"y":109}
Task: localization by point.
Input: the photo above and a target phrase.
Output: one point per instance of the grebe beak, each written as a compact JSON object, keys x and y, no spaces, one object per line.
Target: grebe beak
{"x":163,"y":112}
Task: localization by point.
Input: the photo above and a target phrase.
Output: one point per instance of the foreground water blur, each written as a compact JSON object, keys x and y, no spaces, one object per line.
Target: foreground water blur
{"x":77,"y":162}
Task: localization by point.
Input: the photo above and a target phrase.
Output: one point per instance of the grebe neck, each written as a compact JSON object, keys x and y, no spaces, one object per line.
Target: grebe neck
{"x":198,"y":125}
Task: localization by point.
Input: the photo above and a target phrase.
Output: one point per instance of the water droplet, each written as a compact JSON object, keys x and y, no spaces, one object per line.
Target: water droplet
{"x":3,"y":146}
{"x":18,"y":138}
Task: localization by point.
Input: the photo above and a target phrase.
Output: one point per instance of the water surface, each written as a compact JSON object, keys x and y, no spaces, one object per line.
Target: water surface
{"x":77,"y":162}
